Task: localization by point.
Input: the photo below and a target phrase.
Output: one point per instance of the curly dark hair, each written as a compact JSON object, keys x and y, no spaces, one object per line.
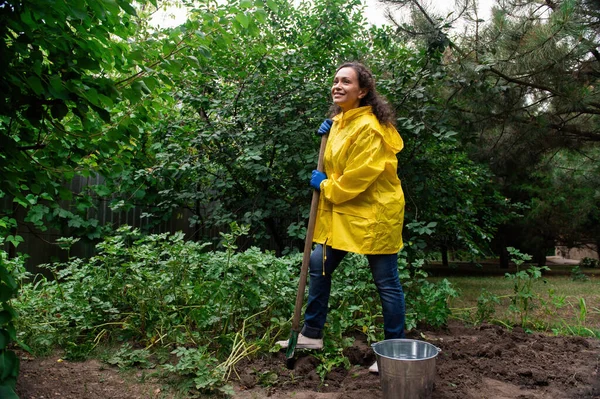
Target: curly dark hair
{"x":381,"y":108}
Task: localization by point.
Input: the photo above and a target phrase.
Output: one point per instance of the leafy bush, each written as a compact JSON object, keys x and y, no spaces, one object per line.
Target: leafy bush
{"x":9,"y":362}
{"x":209,"y":308}
{"x":589,"y":263}
{"x":198,"y":370}
{"x":426,"y":302}
{"x":578,"y":275}
{"x":486,"y":306}
{"x":153,"y":288}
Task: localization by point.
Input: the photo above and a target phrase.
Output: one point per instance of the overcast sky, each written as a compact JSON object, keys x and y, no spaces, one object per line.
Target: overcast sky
{"x":374,"y":12}
{"x":375,"y":9}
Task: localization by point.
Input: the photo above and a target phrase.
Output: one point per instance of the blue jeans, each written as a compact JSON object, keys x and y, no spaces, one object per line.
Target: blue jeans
{"x":384,"y":269}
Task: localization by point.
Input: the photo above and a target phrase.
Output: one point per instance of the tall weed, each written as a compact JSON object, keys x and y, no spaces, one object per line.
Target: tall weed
{"x":523,"y":299}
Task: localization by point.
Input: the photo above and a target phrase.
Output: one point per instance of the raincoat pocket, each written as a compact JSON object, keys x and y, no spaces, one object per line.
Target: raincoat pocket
{"x":352,"y":232}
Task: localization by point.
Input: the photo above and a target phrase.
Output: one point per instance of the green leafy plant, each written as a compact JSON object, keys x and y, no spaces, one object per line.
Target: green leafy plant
{"x":64,"y":96}
{"x":267,"y":378}
{"x":156,"y":292}
{"x":9,"y":362}
{"x":553,"y":303}
{"x":127,"y":357}
{"x":329,"y":359}
{"x":426,"y":302}
{"x":522,"y":299}
{"x":486,"y":306}
{"x":67,"y":243}
{"x":589,"y":262}
{"x":198,"y":370}
{"x":578,"y":275}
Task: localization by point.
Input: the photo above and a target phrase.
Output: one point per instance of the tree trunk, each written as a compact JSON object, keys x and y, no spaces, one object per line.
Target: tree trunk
{"x":503,"y":258}
{"x":540,"y":257}
{"x":12,"y":250}
{"x":197,"y":209}
{"x":444,"y":251}
{"x":502,"y":252}
{"x":271,"y":228}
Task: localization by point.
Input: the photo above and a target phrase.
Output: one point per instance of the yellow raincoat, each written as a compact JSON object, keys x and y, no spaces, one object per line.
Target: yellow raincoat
{"x":361,"y":206}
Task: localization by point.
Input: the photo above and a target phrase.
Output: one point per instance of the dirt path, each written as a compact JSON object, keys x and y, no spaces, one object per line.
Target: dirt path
{"x":484,"y":362}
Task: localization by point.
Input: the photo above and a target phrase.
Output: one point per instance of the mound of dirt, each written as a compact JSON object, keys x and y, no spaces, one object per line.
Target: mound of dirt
{"x":484,"y":362}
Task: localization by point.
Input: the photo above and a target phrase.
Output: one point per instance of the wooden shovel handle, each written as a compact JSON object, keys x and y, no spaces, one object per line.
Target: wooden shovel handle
{"x":308,"y":243}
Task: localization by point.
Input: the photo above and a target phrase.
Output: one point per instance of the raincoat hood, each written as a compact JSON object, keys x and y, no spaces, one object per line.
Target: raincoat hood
{"x":390,"y":135}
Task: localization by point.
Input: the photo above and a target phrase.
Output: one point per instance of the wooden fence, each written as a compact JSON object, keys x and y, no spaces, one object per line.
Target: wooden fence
{"x":41,"y":247}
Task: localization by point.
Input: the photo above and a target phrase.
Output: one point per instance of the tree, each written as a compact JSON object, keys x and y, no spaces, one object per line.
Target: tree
{"x":539,"y":67}
{"x":75,"y":100}
{"x":242,"y":143}
{"x":62,"y":105}
{"x":522,"y":87}
{"x":217,"y":117}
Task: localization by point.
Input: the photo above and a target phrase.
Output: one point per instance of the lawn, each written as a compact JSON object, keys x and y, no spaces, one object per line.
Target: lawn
{"x":556,"y":303}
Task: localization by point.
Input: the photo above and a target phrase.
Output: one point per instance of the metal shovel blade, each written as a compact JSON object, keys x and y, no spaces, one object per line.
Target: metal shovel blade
{"x":290,"y":360}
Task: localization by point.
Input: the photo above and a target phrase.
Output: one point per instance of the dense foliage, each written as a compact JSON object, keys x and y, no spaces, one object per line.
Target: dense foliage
{"x":215,"y":119}
{"x":524,"y":83}
{"x":168,"y":295}
{"x":71,"y":103}
{"x":245,"y":127}
{"x":9,"y":362}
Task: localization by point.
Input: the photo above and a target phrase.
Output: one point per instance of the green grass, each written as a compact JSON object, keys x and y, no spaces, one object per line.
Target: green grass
{"x":558,"y":303}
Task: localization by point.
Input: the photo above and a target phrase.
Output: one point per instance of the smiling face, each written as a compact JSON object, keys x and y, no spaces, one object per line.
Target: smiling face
{"x":346,"y":91}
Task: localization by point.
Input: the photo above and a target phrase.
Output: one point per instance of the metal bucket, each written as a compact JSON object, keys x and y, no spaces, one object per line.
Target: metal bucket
{"x":406,"y":368}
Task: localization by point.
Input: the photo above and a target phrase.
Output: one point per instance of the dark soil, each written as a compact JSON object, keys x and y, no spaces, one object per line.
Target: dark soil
{"x":483,"y":362}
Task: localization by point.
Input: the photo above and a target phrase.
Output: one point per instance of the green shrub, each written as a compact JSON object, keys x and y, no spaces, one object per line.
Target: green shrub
{"x":486,"y":306}
{"x":9,"y":362}
{"x":158,"y":292}
{"x":589,"y":263}
{"x":578,"y":275}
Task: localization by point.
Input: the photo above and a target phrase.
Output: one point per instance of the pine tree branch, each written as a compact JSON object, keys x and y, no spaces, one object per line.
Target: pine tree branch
{"x":577,"y":132}
{"x":524,"y":83}
{"x":588,"y":135}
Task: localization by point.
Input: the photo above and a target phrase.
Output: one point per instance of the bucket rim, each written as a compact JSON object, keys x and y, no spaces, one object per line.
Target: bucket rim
{"x":438,"y":350}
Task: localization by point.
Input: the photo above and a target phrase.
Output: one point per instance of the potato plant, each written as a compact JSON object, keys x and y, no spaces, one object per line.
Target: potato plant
{"x":209,"y":308}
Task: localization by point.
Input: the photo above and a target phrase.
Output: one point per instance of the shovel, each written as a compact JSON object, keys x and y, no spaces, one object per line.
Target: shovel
{"x":291,"y":349}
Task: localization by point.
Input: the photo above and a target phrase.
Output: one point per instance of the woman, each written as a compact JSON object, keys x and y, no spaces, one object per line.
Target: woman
{"x":361,"y":205}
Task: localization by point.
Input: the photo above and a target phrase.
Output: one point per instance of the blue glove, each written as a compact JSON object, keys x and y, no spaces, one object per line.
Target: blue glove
{"x":316,"y":179}
{"x":325,"y":127}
